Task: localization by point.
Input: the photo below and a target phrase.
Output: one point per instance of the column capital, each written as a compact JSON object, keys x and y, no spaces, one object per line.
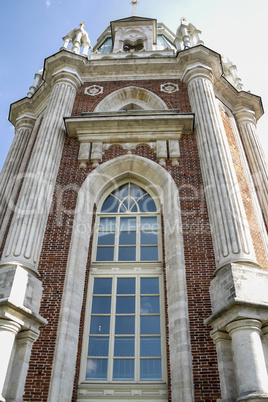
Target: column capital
{"x":67,"y":76}
{"x":245,"y":115}
{"x":10,"y":326}
{"x":244,"y":325}
{"x":25,"y":121}
{"x":220,"y":336}
{"x":195,"y":71}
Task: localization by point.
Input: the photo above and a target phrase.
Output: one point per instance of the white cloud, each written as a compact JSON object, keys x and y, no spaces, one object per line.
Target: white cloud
{"x":48,"y":3}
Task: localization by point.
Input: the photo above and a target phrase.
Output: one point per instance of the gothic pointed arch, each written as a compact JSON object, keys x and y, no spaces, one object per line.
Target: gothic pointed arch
{"x":141,"y":97}
{"x":162,"y":186}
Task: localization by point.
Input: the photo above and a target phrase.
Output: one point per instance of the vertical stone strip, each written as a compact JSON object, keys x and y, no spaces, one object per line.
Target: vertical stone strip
{"x":230,"y":232}
{"x":25,"y":236}
{"x":256,"y":159}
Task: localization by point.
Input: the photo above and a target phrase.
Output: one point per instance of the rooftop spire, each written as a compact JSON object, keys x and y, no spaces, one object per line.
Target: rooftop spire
{"x":134,"y":12}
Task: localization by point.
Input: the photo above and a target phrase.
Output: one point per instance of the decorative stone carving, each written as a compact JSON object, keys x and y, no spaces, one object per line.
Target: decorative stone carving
{"x":161,"y":152}
{"x":174,"y":151}
{"x":129,"y":146}
{"x":84,"y":152}
{"x":96,"y":154}
{"x":93,"y":90}
{"x":169,"y":87}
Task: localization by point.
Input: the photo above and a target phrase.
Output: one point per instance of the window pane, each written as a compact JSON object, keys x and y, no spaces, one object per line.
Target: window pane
{"x":96,"y":369}
{"x":147,"y":204}
{"x":127,"y":238}
{"x":100,"y":325}
{"x":105,"y":254}
{"x":151,"y":369}
{"x":149,"y":223}
{"x":136,"y":192}
{"x":148,"y":238}
{"x":110,"y":204}
{"x":98,"y":346}
{"x":124,"y":346}
{"x":123,"y":369}
{"x":101,"y":305}
{"x":125,"y":325}
{"x":126,"y":286}
{"x":107,"y":238}
{"x":121,"y":192}
{"x":125,"y":304}
{"x":150,"y":346}
{"x":128,"y":224}
{"x":107,"y":224}
{"x":149,"y":253}
{"x":149,"y":286}
{"x":126,"y":254}
{"x":150,"y":325}
{"x":150,"y":304}
{"x":102,"y":286}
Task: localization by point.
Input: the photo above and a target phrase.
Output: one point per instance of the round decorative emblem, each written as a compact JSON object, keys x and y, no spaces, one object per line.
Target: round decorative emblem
{"x":169,"y":87}
{"x":93,"y":90}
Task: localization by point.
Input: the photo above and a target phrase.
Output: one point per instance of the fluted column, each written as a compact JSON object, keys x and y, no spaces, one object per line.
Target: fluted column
{"x":248,"y":130}
{"x":13,"y":164}
{"x":24,"y":240}
{"x":251,"y":373}
{"x":230,"y":232}
{"x":8,"y":332}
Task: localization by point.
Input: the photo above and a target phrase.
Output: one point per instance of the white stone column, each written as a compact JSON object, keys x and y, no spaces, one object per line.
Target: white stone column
{"x":24,"y":240}
{"x":230,"y":231}
{"x":265,"y":344}
{"x":251,"y":373}
{"x":255,"y":156}
{"x":226,"y":366}
{"x":8,"y":332}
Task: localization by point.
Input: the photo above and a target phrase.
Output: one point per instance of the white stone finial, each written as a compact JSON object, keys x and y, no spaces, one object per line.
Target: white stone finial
{"x":134,"y":11}
{"x":79,"y":38}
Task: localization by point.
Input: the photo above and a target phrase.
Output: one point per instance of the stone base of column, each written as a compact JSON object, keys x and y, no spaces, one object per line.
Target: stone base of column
{"x":253,"y":397}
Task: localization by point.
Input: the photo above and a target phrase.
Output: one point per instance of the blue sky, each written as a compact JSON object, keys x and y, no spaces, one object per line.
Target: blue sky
{"x":32,"y":30}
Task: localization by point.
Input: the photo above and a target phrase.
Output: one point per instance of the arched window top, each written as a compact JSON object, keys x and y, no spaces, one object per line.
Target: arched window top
{"x":129,"y":198}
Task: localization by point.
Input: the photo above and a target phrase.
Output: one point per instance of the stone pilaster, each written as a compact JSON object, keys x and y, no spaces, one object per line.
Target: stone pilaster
{"x":256,"y":159}
{"x":24,"y":240}
{"x":251,"y":373}
{"x":230,"y":232}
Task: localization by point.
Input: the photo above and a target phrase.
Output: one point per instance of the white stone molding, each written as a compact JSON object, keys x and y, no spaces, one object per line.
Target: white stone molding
{"x":13,"y":167}
{"x":96,"y":153}
{"x":142,"y":97}
{"x":251,"y":373}
{"x":84,"y":151}
{"x":24,"y":240}
{"x":255,"y":155}
{"x":226,"y":366}
{"x":8,"y":332}
{"x":174,"y":151}
{"x":132,"y":35}
{"x":169,"y":87}
{"x":230,"y":230}
{"x":97,"y":182}
{"x":129,"y":146}
{"x":93,"y":90}
{"x":161,"y":152}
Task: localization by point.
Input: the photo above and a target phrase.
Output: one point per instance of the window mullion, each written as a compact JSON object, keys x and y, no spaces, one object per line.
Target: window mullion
{"x":116,"y":242}
{"x":137,"y":334}
{"x":112,"y":331}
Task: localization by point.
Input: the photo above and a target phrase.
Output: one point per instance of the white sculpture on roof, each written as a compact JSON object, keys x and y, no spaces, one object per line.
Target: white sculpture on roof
{"x":79,"y":38}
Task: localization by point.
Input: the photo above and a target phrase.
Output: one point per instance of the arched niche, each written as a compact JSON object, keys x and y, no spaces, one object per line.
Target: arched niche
{"x":161,"y":184}
{"x":141,"y":97}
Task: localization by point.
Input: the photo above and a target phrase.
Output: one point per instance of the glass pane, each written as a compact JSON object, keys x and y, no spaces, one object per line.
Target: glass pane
{"x":128,"y":224}
{"x":126,"y":286}
{"x":125,"y":304}
{"x":102,"y":286}
{"x":123,"y":209}
{"x":147,"y":204}
{"x":149,"y":223}
{"x":150,"y":304}
{"x":127,"y":238}
{"x":107,"y":224}
{"x":121,"y":192}
{"x":151,"y":369}
{"x":100,"y":325}
{"x":134,"y":208}
{"x":107,"y":238}
{"x":148,"y":238}
{"x":124,"y":346}
{"x":105,"y":254}
{"x":126,"y":254}
{"x":150,"y":346}
{"x":149,"y":286}
{"x":136,"y":192}
{"x":98,"y":346}
{"x":149,"y":253}
{"x":125,"y":325}
{"x":101,"y":305}
{"x":110,"y":204}
{"x":150,"y":325}
{"x":123,"y":369}
{"x":96,"y":369}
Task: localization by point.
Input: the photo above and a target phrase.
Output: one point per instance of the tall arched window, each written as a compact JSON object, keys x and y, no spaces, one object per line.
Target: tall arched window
{"x":125,"y":341}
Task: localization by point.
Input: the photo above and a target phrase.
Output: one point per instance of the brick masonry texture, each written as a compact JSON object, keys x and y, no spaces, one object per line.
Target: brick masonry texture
{"x":199,"y":257}
{"x":246,"y":197}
